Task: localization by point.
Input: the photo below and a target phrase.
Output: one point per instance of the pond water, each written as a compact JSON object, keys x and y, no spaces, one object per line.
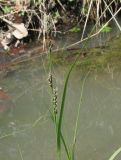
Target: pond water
{"x":26,"y":129}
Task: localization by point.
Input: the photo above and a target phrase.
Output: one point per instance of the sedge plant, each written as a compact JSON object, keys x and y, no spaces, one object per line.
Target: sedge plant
{"x":57,"y":115}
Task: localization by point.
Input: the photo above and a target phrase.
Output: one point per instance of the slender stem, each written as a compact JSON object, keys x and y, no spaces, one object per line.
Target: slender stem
{"x":62,"y":107}
{"x":20,"y":152}
{"x":65,"y":146}
{"x":77,"y":118}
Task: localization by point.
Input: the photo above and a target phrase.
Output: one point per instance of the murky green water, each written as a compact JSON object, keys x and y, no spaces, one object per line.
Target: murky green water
{"x":26,"y":130}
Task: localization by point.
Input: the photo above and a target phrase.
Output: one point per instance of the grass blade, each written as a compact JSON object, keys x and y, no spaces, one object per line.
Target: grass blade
{"x":115,"y":154}
{"x":66,"y":148}
{"x":77,"y":118}
{"x":62,"y":108}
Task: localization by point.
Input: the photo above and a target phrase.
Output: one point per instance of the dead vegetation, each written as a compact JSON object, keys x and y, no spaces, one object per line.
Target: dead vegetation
{"x":45,"y":18}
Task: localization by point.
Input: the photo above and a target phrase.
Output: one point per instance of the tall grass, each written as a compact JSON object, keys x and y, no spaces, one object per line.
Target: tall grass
{"x":62,"y":108}
{"x":57,"y":115}
{"x":57,"y":118}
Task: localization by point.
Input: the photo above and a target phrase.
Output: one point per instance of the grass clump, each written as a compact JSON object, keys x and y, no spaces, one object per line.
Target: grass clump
{"x":57,"y":115}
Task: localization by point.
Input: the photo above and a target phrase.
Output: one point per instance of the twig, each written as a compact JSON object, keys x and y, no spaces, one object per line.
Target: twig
{"x":93,"y":35}
{"x":113,"y":16}
{"x":86,"y":19}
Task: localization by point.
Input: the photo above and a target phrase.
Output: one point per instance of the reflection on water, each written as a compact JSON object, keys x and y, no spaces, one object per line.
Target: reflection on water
{"x":27,"y":130}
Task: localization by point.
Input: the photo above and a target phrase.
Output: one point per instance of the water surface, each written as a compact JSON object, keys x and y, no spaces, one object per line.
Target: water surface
{"x":26,"y":129}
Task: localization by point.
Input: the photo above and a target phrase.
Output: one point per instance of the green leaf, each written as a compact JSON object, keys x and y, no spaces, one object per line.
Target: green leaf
{"x":62,"y":108}
{"x":106,"y":29}
{"x":57,"y":14}
{"x":75,"y":29}
{"x":7,"y":9}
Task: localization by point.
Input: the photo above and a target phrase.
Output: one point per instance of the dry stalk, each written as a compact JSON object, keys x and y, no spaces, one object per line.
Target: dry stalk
{"x":86,"y":19}
{"x":118,"y":25}
{"x":93,"y":35}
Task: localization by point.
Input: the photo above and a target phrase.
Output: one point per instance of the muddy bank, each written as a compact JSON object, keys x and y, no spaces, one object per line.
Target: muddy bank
{"x":17,"y":55}
{"x":97,"y":57}
{"x":87,"y":57}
